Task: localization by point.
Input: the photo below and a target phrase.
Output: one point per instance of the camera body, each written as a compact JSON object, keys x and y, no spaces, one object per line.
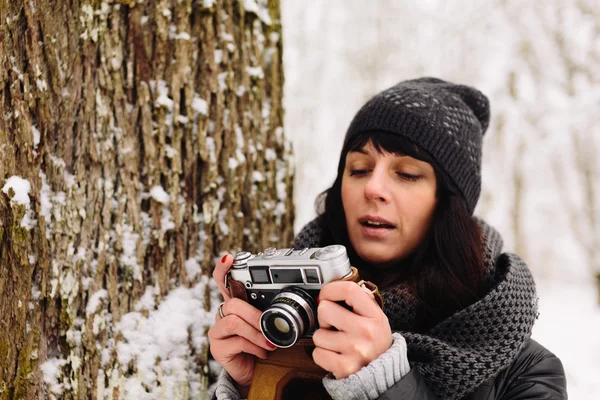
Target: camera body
{"x":284,"y":284}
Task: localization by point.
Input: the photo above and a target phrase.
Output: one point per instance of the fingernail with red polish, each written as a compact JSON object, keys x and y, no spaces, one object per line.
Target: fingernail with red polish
{"x":224,"y":258}
{"x":318,"y":299}
{"x":271,"y":345}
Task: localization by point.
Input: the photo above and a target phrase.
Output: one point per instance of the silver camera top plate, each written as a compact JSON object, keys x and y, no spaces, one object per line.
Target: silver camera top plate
{"x":279,"y":268}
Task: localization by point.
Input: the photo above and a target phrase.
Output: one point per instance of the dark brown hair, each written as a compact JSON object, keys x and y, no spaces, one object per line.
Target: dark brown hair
{"x":446,"y":271}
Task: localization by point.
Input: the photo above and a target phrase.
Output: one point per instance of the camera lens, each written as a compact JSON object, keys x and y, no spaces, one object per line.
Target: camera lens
{"x":281,"y":325}
{"x":291,"y":315}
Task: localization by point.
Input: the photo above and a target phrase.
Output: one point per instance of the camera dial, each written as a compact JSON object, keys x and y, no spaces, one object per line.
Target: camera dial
{"x":241,"y":259}
{"x":330,"y":252}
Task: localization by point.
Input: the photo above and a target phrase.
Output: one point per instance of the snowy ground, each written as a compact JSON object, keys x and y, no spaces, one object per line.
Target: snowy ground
{"x":569,"y":325}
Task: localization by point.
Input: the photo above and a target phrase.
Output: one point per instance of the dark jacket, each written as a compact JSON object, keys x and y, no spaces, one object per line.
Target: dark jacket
{"x":536,"y":373}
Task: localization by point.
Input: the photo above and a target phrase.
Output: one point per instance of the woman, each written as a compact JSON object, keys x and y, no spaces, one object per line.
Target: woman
{"x":458,"y":312}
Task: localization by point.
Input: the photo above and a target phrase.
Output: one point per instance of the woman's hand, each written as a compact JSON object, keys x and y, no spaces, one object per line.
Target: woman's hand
{"x":236,"y":339}
{"x":362,"y":335}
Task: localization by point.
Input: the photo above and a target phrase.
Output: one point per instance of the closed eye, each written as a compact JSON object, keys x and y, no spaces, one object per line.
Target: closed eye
{"x":409,"y":177}
{"x":358,"y":172}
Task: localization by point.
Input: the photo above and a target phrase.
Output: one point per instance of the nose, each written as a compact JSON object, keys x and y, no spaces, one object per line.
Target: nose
{"x":376,"y":186}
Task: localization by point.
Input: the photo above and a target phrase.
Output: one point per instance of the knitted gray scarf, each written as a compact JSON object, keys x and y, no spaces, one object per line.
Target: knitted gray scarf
{"x":474,"y":344}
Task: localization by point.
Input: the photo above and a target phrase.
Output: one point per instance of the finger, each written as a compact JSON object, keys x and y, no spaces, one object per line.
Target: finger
{"x":233,"y":325}
{"x":219,"y":273}
{"x":339,"y":365}
{"x":226,"y":349}
{"x":360,"y":300}
{"x":327,"y":339}
{"x":244,"y":310}
{"x":331,"y":314}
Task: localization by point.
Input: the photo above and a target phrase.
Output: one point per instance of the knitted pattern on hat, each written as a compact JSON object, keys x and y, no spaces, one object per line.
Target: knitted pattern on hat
{"x":446,"y":120}
{"x":474,"y":344}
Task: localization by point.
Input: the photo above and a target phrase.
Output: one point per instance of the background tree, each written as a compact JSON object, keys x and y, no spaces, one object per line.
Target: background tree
{"x":138,"y":139}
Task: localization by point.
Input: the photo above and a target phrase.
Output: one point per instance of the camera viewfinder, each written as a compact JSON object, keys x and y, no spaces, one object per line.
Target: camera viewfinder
{"x":312,"y":275}
{"x":260,"y":274}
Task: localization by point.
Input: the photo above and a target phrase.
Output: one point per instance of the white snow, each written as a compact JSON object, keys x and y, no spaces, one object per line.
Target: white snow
{"x":163,"y":96}
{"x":36,"y":136}
{"x":41,"y":84}
{"x":200,"y":105}
{"x":222,"y":83}
{"x":21,"y":188}
{"x":128,"y":258}
{"x":568,"y":326}
{"x":233,"y":163}
{"x":162,"y":343}
{"x":260,"y":11}
{"x":166,"y":221}
{"x":159,"y":194}
{"x":270,"y":155}
{"x":258,"y":176}
{"x":223,"y":227}
{"x":218,"y":56}
{"x":182,"y":36}
{"x":51,"y":370}
{"x":192,"y":267}
{"x":255,"y":72}
{"x":95,"y":300}
{"x":170,"y":151}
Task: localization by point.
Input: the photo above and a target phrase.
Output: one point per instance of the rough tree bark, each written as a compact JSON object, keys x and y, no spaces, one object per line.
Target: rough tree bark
{"x":150,"y":133}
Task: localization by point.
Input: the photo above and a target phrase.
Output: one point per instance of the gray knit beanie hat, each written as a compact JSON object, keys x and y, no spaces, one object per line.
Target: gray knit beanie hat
{"x":444,"y":119}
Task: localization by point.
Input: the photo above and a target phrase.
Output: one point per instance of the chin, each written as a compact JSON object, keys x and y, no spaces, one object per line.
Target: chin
{"x":379,"y":257}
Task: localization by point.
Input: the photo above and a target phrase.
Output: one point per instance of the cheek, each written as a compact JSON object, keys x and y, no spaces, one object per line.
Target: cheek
{"x":420,"y":206}
{"x":426,"y":207}
{"x":347,"y":197}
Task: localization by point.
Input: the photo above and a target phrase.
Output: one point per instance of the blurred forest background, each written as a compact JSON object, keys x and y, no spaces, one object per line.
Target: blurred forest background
{"x":539,"y":63}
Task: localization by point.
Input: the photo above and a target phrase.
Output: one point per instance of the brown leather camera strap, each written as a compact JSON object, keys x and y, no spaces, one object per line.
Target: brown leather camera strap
{"x":374,"y":290}
{"x":236,"y":288}
{"x":369,"y":286}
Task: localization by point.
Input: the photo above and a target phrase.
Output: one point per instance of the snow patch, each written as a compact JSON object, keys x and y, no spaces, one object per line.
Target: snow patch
{"x":262,"y":13}
{"x":36,"y":136}
{"x":51,"y":371}
{"x":161,"y":344}
{"x":163,"y":99}
{"x":21,"y":188}
{"x":159,"y":194}
{"x":199,"y":105}
{"x":192,"y":267}
{"x":255,"y":72}
{"x":95,"y":301}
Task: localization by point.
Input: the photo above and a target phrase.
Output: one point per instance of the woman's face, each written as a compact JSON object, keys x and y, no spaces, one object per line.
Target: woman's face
{"x":388,"y":201}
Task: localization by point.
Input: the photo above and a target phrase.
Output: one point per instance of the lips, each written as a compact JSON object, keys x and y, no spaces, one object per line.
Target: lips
{"x":374,"y":222}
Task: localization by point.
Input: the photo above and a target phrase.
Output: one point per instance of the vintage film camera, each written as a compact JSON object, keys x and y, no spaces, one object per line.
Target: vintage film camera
{"x":284,"y":284}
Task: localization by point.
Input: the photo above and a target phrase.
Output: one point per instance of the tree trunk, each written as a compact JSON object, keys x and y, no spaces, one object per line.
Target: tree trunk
{"x":150,"y":135}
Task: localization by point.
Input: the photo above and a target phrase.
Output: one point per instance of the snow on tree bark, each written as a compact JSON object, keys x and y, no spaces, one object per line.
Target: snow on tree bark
{"x":151,"y":135}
